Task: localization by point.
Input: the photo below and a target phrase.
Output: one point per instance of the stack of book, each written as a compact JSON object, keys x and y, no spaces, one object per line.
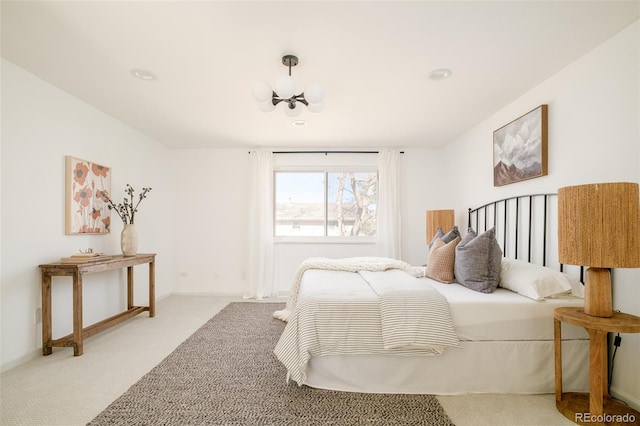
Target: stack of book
{"x":84,"y":258}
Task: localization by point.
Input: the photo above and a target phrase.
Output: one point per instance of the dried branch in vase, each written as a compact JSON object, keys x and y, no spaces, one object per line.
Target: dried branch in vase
{"x":126,"y":210}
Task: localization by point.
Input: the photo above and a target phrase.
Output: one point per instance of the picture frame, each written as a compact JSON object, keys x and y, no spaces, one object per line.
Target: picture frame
{"x":87,"y":186}
{"x":520,"y":148}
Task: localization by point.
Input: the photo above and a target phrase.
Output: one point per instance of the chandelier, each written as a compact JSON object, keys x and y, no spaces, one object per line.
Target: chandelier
{"x":285,"y":92}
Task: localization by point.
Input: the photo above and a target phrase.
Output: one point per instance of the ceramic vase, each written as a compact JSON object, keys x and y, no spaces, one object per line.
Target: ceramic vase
{"x":129,"y":240}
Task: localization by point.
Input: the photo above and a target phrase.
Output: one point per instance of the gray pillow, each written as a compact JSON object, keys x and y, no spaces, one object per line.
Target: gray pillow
{"x":446,"y":238}
{"x":451,"y":235}
{"x":439,"y":234}
{"x":478,"y":261}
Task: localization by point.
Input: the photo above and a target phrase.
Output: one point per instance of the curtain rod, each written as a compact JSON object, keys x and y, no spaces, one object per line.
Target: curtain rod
{"x":327,"y":152}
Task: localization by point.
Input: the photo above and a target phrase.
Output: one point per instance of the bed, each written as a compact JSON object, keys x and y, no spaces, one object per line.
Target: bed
{"x":378,"y":325}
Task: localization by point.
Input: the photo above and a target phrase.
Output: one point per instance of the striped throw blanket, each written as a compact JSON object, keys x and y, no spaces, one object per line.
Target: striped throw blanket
{"x":387,"y":311}
{"x":412,"y":314}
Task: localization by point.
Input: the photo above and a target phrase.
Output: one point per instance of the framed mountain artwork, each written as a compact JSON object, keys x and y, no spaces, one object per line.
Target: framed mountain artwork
{"x":520,"y":148}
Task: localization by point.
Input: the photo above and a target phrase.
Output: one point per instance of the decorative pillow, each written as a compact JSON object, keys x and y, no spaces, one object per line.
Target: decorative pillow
{"x":448,"y":237}
{"x":477,"y":262}
{"x":577,"y":288}
{"x":451,"y":235}
{"x":441,"y":260}
{"x":533,"y":281}
{"x":439,"y":234}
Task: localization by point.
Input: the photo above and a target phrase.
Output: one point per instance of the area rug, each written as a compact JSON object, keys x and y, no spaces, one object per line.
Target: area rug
{"x":226,"y":374}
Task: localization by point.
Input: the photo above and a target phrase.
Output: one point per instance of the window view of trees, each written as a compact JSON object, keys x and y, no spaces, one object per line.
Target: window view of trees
{"x":351,"y":206}
{"x":326,"y":203}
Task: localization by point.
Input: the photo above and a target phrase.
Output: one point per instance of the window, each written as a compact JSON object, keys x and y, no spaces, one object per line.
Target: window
{"x":325,"y":203}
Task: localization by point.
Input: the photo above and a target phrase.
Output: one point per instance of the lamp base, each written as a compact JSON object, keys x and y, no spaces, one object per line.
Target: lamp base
{"x":597,"y":293}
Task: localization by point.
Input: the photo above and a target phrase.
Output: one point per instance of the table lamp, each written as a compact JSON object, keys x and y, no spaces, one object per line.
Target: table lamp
{"x":599,"y":227}
{"x":439,"y":219}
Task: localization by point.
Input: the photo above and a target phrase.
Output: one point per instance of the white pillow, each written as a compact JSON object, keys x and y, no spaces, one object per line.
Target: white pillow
{"x":577,"y":288}
{"x":533,"y":281}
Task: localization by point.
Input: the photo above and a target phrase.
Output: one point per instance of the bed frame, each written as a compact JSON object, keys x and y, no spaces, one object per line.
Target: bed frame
{"x":526,"y":229}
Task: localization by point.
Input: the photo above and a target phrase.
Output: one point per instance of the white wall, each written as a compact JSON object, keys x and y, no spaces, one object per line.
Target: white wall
{"x":212,"y":246}
{"x":427,"y":184}
{"x":594,"y":136}
{"x":40,"y":125}
{"x":212,"y":202}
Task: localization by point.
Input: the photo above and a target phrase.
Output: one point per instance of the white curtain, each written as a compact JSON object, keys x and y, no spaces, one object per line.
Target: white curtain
{"x":260,"y":282}
{"x":388,"y":210}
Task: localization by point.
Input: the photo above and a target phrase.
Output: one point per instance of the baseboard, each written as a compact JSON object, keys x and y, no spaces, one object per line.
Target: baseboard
{"x":21,"y":360}
{"x":205,"y":293}
{"x":623,"y":396}
{"x":278,"y":295}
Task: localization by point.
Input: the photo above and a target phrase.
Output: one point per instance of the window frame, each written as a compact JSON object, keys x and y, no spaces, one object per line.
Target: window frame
{"x":324,"y":239}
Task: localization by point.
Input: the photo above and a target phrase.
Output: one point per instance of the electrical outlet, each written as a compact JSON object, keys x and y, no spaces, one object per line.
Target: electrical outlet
{"x":38,"y":315}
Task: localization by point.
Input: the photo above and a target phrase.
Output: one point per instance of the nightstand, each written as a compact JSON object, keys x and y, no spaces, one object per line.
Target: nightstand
{"x":595,"y":407}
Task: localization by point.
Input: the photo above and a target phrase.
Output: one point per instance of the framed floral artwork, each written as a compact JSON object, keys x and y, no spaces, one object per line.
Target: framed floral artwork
{"x":520,"y":148}
{"x":87,"y":186}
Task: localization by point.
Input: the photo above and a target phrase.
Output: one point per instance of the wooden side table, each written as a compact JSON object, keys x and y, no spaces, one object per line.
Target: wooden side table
{"x":595,"y":407}
{"x":76,"y":271}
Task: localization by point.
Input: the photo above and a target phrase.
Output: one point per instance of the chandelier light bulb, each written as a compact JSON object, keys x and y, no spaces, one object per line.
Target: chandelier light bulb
{"x":315,"y":108}
{"x":262,"y":92}
{"x":285,"y":87}
{"x":314,"y":94}
{"x":266,"y":106}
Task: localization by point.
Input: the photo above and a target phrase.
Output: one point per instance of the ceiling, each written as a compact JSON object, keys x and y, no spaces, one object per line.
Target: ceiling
{"x":371,"y":57}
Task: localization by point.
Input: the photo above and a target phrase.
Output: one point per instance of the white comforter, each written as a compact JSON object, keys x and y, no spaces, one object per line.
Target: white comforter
{"x":369,"y":312}
{"x":351,"y":264}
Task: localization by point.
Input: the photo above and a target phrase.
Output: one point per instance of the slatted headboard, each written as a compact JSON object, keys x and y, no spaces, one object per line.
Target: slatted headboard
{"x":526,"y":228}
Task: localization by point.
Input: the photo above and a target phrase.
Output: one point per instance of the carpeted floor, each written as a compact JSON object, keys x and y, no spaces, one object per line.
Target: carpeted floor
{"x":226,"y":374}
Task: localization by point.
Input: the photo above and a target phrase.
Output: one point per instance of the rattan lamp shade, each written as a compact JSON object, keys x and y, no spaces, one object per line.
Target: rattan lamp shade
{"x":599,"y":227}
{"x":439,"y":219}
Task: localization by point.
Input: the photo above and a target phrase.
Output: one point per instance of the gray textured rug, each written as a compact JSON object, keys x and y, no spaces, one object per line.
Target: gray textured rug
{"x":226,"y":374}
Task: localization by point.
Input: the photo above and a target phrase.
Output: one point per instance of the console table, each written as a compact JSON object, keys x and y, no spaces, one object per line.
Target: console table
{"x":595,"y":407}
{"x":76,"y":271}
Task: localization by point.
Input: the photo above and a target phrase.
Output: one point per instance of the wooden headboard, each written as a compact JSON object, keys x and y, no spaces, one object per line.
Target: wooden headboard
{"x":526,"y":228}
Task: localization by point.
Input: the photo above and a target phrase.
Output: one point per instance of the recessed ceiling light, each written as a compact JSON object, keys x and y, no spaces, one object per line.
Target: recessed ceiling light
{"x":299,"y":123}
{"x":143,"y":74}
{"x":440,"y":74}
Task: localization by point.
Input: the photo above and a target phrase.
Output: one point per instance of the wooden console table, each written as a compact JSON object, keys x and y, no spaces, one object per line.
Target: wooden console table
{"x":76,"y":271}
{"x":595,"y":407}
